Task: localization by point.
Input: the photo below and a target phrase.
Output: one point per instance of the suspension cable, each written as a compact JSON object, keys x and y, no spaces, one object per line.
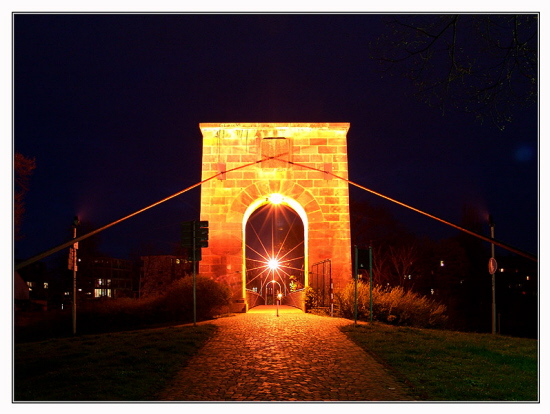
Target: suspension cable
{"x":472,"y":233}
{"x":85,"y":236}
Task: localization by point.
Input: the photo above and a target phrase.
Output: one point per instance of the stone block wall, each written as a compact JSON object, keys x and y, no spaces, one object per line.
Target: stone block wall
{"x":296,"y":157}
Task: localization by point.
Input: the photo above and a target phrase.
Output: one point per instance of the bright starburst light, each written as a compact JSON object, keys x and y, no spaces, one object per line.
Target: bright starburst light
{"x":275,"y":198}
{"x":273,"y":264}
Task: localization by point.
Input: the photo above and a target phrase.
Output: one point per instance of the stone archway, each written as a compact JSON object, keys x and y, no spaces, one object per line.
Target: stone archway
{"x":275,"y":247}
{"x":321,"y":199}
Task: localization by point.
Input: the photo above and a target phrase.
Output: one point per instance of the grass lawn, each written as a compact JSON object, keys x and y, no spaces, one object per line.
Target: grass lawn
{"x":136,"y":365}
{"x":122,"y":366}
{"x":455,"y":366}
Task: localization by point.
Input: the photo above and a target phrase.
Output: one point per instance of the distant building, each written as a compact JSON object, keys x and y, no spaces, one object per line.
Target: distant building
{"x":517,"y":276}
{"x":517,"y":296}
{"x":106,"y":277}
{"x":157,"y":272}
{"x":35,"y":279}
{"x":20,"y":288}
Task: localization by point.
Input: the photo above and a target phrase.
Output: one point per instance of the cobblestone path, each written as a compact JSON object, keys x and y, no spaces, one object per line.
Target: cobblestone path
{"x":296,"y":356}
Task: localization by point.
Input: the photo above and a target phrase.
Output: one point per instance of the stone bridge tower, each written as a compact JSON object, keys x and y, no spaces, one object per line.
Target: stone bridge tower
{"x":303,"y":154}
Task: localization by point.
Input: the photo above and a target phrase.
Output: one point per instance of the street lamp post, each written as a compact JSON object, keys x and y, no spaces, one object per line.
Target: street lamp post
{"x":74,"y":249}
{"x":493,"y":281}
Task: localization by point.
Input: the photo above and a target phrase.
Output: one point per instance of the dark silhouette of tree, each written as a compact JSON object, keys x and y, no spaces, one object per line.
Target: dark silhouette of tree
{"x":484,"y":64}
{"x":155,"y":269}
{"x":402,"y":260}
{"x":452,"y":271}
{"x":445,"y":267}
{"x":375,"y":223}
{"x":396,"y":251}
{"x":24,"y":168}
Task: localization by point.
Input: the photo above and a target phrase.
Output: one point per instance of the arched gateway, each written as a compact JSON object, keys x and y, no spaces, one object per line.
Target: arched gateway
{"x":295,"y":174}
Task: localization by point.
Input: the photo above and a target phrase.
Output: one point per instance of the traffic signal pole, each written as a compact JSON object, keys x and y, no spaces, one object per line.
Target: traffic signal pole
{"x":194,"y":236}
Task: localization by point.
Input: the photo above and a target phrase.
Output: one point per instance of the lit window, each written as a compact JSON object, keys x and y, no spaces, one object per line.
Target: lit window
{"x":46,"y":284}
{"x":98,"y":293}
{"x":527,"y":278}
{"x":442,"y":263}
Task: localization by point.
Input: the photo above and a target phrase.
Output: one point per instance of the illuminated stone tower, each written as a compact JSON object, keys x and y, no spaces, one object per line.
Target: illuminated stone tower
{"x":319,"y":199}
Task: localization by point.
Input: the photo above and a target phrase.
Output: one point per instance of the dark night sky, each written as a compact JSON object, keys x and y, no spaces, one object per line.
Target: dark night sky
{"x":110,"y":106}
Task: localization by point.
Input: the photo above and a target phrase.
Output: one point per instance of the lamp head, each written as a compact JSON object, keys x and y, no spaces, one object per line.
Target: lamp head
{"x":276,"y":198}
{"x":273,"y":264}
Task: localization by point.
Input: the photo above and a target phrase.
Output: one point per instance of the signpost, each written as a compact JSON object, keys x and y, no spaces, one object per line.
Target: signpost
{"x":74,"y":267}
{"x":492,"y":270}
{"x":492,"y":266}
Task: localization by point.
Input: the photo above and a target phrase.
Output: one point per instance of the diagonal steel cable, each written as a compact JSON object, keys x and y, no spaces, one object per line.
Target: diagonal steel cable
{"x":472,"y":233}
{"x":85,"y":236}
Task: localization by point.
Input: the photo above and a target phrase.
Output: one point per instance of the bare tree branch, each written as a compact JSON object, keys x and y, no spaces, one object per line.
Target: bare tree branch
{"x":484,"y":64}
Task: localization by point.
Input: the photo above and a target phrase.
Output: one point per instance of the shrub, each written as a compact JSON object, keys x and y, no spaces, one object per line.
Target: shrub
{"x":110,"y":315}
{"x":310,"y":298}
{"x":174,"y":306}
{"x":391,"y":305}
{"x":107,"y":315}
{"x":177,"y":302}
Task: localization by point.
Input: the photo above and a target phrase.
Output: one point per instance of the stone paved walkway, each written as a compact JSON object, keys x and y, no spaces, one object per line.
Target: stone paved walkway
{"x":296,"y":356}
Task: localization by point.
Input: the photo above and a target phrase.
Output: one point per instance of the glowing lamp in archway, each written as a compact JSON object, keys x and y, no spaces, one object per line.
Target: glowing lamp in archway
{"x":273,"y":264}
{"x":276,"y":198}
